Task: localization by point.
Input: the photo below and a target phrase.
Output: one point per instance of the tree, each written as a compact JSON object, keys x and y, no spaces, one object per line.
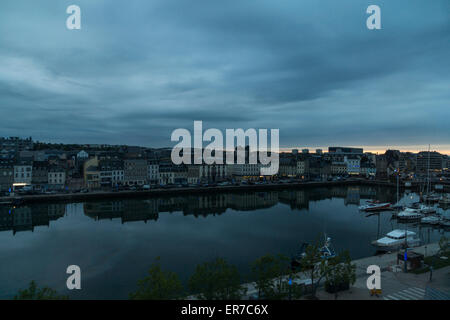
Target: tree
{"x":443,"y":244}
{"x":158,"y":285}
{"x":35,"y":293}
{"x":271,"y":274}
{"x":336,"y":270}
{"x":339,"y":272}
{"x":311,"y":264}
{"x":216,"y":280}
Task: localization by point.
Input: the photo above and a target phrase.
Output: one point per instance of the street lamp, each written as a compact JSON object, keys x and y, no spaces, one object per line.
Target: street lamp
{"x":406,"y":248}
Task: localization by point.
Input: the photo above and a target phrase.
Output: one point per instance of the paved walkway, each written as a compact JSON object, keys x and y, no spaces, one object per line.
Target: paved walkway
{"x":395,"y":284}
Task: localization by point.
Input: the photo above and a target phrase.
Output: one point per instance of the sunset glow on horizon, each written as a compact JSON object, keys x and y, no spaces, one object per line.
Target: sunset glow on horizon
{"x":443,"y":149}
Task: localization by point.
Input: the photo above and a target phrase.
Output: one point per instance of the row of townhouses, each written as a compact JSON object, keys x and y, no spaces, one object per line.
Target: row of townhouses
{"x":22,"y":164}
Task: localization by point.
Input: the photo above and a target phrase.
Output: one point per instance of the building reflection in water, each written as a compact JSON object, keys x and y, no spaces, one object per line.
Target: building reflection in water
{"x":218,"y":203}
{"x":27,"y":217}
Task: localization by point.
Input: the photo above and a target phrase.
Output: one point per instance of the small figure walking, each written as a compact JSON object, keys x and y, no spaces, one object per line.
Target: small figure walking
{"x":431,"y":272}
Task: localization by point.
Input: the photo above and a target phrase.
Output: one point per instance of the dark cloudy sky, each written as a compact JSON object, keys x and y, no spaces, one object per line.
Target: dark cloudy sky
{"x":137,"y":70}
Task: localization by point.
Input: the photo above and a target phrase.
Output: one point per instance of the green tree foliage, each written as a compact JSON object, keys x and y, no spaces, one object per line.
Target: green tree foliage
{"x":158,"y":285}
{"x":216,"y":280}
{"x":35,"y":293}
{"x":272,"y":274}
{"x":339,"y":272}
{"x":443,"y":244}
{"x":311,"y":265}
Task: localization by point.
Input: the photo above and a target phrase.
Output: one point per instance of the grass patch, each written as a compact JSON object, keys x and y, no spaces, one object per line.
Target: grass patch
{"x":434,"y":261}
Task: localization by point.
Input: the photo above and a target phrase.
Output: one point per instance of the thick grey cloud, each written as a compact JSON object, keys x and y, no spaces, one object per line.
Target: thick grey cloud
{"x":139,"y":69}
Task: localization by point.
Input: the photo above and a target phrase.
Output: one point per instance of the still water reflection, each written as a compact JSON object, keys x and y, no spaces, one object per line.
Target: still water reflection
{"x":114,"y":242}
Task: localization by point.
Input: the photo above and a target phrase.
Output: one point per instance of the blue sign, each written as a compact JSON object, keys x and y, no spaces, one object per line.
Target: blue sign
{"x":406,"y":255}
{"x":290,"y":282}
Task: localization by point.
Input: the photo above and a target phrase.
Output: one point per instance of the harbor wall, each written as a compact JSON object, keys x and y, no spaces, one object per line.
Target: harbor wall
{"x":99,"y":195}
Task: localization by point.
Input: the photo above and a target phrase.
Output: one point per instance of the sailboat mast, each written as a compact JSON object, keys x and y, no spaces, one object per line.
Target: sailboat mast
{"x":398,"y":171}
{"x":428,"y":173}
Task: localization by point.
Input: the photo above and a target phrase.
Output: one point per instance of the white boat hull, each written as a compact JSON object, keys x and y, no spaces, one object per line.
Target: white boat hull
{"x":395,"y":246}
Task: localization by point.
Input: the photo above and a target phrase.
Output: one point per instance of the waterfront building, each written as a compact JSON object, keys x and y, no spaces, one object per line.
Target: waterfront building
{"x":433,"y":160}
{"x":407,"y":162}
{"x":91,"y":173}
{"x":153,"y":171}
{"x":135,"y":171}
{"x":245,"y":171}
{"x":166,"y":174}
{"x":6,"y":174}
{"x":302,"y":166}
{"x":111,"y":172}
{"x":56,"y":178}
{"x":339,"y":168}
{"x":180,"y":174}
{"x":172,"y":174}
{"x":213,"y":172}
{"x":368,"y":169}
{"x":446,"y":163}
{"x":288,"y":167}
{"x":193,"y":174}
{"x":381,"y":166}
{"x":353,"y":164}
{"x":319,"y":168}
{"x":39,"y":175}
{"x":371,"y":157}
{"x":74,"y":182}
{"x":23,"y":170}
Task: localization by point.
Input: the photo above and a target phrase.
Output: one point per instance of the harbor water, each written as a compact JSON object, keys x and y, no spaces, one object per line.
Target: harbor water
{"x":115,"y":242}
